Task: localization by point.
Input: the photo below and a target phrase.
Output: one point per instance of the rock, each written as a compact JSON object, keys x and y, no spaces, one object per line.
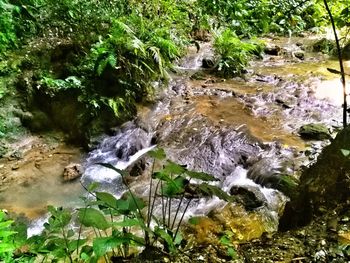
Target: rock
{"x":72,"y":172}
{"x":137,"y":167}
{"x":246,"y":225}
{"x":299,"y":54}
{"x":36,"y":120}
{"x":272,"y":50}
{"x":324,"y":45}
{"x":15,"y":166}
{"x":314,"y":131}
{"x":208,"y":62}
{"x":324,"y":184}
{"x":251,"y":200}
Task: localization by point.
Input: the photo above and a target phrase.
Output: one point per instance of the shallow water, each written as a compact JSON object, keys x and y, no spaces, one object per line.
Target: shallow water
{"x":218,"y":126}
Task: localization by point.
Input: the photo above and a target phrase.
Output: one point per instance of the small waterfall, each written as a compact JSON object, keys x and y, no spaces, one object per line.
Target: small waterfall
{"x":122,"y":150}
{"x":37,"y":226}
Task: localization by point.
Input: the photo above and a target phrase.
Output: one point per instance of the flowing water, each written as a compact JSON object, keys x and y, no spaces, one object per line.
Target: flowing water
{"x":242,"y":131}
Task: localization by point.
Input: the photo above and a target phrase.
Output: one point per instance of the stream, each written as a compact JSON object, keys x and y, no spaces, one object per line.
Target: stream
{"x":242,"y":130}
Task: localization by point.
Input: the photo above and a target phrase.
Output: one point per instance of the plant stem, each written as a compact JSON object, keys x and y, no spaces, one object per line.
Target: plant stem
{"x":182,"y":217}
{"x":149,"y":196}
{"x":169,"y":212}
{"x":179,"y":205}
{"x":147,"y":241}
{"x":340,"y":58}
{"x":163,"y":206}
{"x":80,"y":229}
{"x":66,"y":242}
{"x":154,"y":199}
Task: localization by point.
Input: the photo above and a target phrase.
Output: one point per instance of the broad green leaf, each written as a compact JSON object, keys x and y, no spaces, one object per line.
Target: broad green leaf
{"x":86,"y":252}
{"x":72,"y":245}
{"x":174,"y":168}
{"x":174,"y":186}
{"x":5,"y":224}
{"x":232,"y":252}
{"x":135,"y":203}
{"x":178,"y":239}
{"x":128,"y":223}
{"x":161,"y":176}
{"x":93,"y":186}
{"x":194,"y":220}
{"x":107,"y":198}
{"x":215,"y":191}
{"x":201,"y":176}
{"x":225,"y":241}
{"x":123,"y":206}
{"x":166,"y":237}
{"x":6,"y":233}
{"x":6,"y":247}
{"x":91,"y":217}
{"x":102,"y":245}
{"x":158,"y":154}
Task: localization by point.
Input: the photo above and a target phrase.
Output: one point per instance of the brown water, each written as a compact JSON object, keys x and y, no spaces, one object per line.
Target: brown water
{"x":32,"y":182}
{"x":231,"y":111}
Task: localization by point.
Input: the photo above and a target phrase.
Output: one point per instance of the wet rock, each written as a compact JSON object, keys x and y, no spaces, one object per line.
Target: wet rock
{"x":324,"y":45}
{"x":208,"y":62}
{"x":72,"y":172}
{"x":200,"y":34}
{"x":324,"y":184}
{"x":300,"y":55}
{"x":251,"y":200}
{"x":272,"y":50}
{"x":314,"y":131}
{"x":199,"y":75}
{"x":137,"y":139}
{"x":36,"y":120}
{"x":137,"y":167}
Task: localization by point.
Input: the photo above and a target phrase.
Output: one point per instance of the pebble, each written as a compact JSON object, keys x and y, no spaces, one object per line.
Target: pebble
{"x":201,"y":258}
{"x":15,"y":166}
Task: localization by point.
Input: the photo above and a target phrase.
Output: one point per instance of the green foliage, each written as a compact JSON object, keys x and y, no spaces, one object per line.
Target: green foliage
{"x":134,"y":55}
{"x":7,"y":246}
{"x":7,"y":25}
{"x":247,"y":17}
{"x":225,"y":240}
{"x":234,"y":54}
{"x":52,"y":86}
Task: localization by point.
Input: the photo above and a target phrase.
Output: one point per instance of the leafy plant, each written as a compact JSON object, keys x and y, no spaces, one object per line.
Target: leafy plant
{"x":52,"y":86}
{"x":7,"y":246}
{"x":7,"y":25}
{"x":234,"y":54}
{"x":225,"y":240}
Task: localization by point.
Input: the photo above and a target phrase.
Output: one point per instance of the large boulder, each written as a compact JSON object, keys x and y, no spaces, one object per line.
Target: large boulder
{"x":314,"y":131}
{"x":324,"y":185}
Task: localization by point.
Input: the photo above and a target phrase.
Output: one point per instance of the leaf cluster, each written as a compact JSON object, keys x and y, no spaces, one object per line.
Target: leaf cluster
{"x":234,"y":54}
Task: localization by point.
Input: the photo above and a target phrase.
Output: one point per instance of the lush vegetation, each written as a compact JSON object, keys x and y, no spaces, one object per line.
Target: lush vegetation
{"x":107,"y":55}
{"x":112,"y":228}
